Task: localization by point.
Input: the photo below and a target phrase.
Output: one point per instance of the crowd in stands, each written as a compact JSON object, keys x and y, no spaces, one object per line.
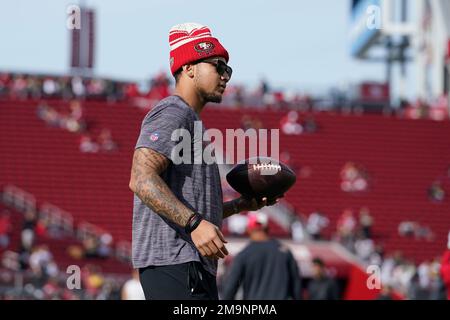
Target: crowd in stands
{"x":19,"y":86}
{"x":415,"y":230}
{"x":103,"y":143}
{"x":291,"y":124}
{"x":33,"y":261}
{"x":423,"y":281}
{"x":74,"y":121}
{"x":437,"y":110}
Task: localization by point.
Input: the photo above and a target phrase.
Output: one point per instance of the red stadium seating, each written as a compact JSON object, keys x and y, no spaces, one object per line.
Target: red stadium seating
{"x":402,"y":157}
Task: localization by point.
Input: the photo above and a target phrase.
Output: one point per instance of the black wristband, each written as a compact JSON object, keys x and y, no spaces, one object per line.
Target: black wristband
{"x":193,"y":222}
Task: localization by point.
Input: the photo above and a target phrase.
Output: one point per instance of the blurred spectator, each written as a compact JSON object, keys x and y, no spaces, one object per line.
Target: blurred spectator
{"x":415,"y":230}
{"x":90,"y":246}
{"x":159,"y":86}
{"x":87,"y":145}
{"x":386,"y":293}
{"x":4,"y":82}
{"x":388,"y":265}
{"x":353,"y":178}
{"x":52,"y":289}
{"x":42,"y":265}
{"x":66,"y":88}
{"x":310,"y":125}
{"x":364,"y":247}
{"x":132,"y":289}
{"x":346,"y":227}
{"x":279,"y":100}
{"x":75,"y":252}
{"x":5,"y":228}
{"x":316,"y":223}
{"x":28,"y":233}
{"x":407,"y":228}
{"x":423,"y":273}
{"x":415,"y":291}
{"x":321,"y":286}
{"x":48,"y":115}
{"x":113,"y":91}
{"x":265,"y":268}
{"x":48,"y":226}
{"x":437,"y":284}
{"x":104,"y":249}
{"x":238,"y":96}
{"x":436,"y":192}
{"x":422,"y":108}
{"x":289,"y":124}
{"x":10,"y":260}
{"x":110,"y":290}
{"x":75,"y":121}
{"x":132,"y":90}
{"x":34,"y":86}
{"x":78,"y":87}
{"x":298,"y":230}
{"x":50,"y":87}
{"x":106,"y":142}
{"x":365,"y":222}
{"x":91,"y":280}
{"x":248,"y":122}
{"x":19,"y":87}
{"x":95,"y":88}
{"x":376,"y":258}
{"x":262,"y":92}
{"x":72,"y":122}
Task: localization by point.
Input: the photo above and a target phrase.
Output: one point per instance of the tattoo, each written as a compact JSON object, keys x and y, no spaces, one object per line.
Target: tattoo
{"x":148,"y":185}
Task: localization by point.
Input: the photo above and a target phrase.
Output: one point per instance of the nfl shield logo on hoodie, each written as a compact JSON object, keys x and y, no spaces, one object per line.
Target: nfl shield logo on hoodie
{"x":154,"y":137}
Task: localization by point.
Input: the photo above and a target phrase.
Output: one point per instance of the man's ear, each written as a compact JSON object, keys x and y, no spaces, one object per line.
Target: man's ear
{"x":189,"y":69}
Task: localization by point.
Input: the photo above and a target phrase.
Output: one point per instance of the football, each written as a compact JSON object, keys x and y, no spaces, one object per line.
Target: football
{"x":261,"y":177}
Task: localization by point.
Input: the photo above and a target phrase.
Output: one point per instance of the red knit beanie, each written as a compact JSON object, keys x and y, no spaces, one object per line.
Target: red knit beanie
{"x":190,"y":42}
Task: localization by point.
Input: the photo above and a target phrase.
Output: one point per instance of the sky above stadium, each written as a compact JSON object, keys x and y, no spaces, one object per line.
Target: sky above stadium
{"x":295,"y":44}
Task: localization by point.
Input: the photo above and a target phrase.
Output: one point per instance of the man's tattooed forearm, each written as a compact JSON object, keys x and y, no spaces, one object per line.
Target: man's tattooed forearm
{"x":151,"y":188}
{"x":155,"y":193}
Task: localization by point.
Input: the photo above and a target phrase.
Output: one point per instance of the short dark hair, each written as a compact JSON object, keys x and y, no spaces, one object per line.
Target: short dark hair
{"x":177,"y":75}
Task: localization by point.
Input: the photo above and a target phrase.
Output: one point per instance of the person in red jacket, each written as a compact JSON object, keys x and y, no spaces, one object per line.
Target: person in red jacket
{"x":445,"y":268}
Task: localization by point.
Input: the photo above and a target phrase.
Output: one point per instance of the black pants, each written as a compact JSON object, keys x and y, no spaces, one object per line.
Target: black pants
{"x":186,"y":281}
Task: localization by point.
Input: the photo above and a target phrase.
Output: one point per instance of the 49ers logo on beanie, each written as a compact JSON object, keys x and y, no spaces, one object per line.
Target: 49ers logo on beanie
{"x":190,"y":42}
{"x":204,"y":47}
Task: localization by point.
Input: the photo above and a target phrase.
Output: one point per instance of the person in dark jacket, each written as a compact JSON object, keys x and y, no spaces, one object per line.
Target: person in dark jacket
{"x":321,"y":286}
{"x":266,"y":268}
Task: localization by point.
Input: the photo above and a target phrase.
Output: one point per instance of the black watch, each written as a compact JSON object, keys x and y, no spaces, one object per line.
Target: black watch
{"x":193,"y":222}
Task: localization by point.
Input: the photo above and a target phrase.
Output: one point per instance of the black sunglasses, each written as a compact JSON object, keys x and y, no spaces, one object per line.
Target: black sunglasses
{"x":221,"y":67}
